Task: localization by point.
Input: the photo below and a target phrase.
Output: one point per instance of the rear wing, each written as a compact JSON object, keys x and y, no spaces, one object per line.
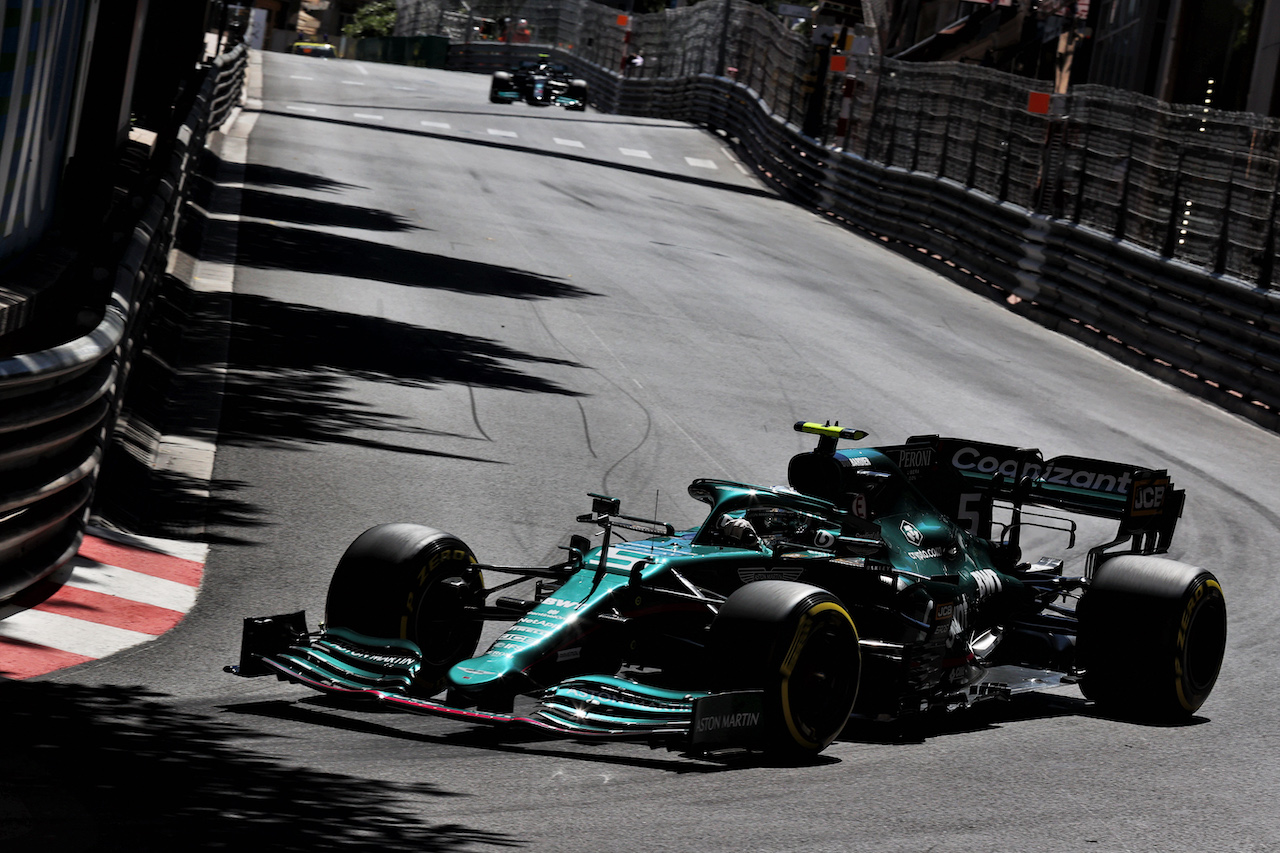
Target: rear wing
{"x":963,"y":478}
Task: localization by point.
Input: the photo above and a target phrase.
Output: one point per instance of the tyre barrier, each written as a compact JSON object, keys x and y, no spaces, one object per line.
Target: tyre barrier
{"x":60,"y":404}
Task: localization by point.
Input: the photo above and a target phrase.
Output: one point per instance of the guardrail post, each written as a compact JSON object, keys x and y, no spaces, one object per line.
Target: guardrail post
{"x":1266,"y":269}
{"x":1171,"y":233}
{"x":1224,"y":232}
{"x":1122,"y":209}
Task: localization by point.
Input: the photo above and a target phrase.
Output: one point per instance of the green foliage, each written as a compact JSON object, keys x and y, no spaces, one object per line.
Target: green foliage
{"x":374,"y":19}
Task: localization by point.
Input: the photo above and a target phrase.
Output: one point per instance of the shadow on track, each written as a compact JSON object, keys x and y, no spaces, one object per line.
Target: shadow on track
{"x":264,"y":175}
{"x":111,"y":768}
{"x":265,"y":245}
{"x":305,"y":210}
{"x":988,"y":716}
{"x":365,"y":717}
{"x":289,"y":364}
{"x":284,"y":379}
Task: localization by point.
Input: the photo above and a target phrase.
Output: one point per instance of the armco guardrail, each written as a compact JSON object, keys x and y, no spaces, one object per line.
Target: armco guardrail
{"x":60,"y":404}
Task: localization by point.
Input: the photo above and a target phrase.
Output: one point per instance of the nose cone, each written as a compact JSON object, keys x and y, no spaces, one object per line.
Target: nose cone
{"x":489,"y":677}
{"x":476,"y":674}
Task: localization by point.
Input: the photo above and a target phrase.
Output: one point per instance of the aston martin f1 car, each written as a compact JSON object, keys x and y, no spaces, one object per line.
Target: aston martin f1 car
{"x":540,"y":84}
{"x":879,"y":583}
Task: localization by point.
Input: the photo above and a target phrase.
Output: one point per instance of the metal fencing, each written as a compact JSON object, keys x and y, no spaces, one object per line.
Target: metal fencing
{"x":1191,"y":183}
{"x":58,"y":406}
{"x":1144,"y":229}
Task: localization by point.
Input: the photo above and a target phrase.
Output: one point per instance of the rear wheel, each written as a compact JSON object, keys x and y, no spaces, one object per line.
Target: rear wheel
{"x":1152,"y":637}
{"x":797,"y":643}
{"x":410,"y":582}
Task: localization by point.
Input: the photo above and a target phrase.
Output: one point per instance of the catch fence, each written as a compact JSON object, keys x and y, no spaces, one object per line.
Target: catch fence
{"x":1191,"y":183}
{"x":1145,"y":229}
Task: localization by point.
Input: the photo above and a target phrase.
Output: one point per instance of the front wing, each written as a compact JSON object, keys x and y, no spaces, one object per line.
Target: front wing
{"x":512,"y":94}
{"x":509,"y":94}
{"x":344,"y":663}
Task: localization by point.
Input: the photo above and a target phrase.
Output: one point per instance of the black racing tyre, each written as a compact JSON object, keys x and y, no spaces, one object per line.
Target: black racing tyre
{"x":1151,"y":637}
{"x":501,"y":80}
{"x":410,"y":582}
{"x":798,"y":643}
{"x":578,"y":89}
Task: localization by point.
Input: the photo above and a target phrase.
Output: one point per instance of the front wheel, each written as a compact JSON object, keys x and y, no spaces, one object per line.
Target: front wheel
{"x":797,"y":643}
{"x":1151,"y":638}
{"x":500,"y":83}
{"x":410,"y":582}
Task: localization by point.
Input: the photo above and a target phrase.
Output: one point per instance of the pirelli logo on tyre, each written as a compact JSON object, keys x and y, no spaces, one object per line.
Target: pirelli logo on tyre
{"x":451,"y":555}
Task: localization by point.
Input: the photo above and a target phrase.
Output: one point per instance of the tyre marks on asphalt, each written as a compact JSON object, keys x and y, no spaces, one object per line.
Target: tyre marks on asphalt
{"x":116,"y":593}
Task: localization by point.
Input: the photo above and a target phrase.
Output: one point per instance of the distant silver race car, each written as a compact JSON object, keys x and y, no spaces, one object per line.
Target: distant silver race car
{"x":539,"y":83}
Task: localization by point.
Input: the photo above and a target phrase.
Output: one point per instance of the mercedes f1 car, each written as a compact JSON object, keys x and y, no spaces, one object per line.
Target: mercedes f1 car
{"x":879,"y":583}
{"x":540,"y":84}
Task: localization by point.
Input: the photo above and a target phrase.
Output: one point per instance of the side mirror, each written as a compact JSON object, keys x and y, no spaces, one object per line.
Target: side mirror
{"x":580,"y":545}
{"x":604,"y":505}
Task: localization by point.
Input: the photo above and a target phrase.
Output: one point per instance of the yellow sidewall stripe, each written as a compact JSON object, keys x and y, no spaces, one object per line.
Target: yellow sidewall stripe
{"x":1186,"y":703}
{"x":793,"y":655}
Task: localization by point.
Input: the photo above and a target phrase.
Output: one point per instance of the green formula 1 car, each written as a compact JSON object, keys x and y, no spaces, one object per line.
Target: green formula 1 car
{"x":880,"y":583}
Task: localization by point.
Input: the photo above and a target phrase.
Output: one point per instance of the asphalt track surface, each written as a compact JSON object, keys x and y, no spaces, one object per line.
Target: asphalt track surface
{"x":437,"y":321}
